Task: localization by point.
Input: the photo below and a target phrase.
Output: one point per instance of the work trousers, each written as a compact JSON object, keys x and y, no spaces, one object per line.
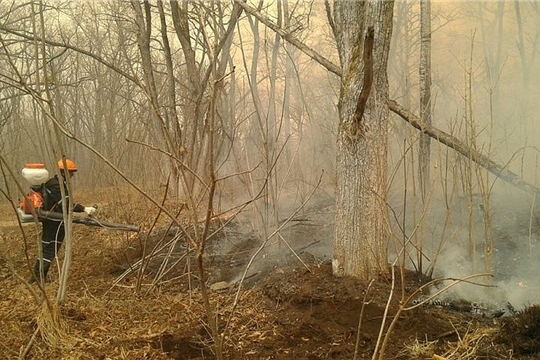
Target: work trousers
{"x":52,"y":238}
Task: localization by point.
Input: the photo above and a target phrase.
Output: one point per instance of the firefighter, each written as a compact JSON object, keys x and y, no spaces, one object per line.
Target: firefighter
{"x":53,"y":230}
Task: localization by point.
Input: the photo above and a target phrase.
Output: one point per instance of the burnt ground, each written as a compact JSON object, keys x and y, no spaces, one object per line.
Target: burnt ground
{"x":289,"y":306}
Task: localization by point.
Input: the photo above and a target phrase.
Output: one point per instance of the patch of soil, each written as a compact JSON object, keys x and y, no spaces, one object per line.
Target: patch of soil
{"x":317,"y":308}
{"x":522,"y":331}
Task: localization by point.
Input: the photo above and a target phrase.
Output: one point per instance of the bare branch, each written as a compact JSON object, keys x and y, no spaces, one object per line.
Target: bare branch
{"x":291,"y":39}
{"x":73,"y":48}
{"x":498,"y":170}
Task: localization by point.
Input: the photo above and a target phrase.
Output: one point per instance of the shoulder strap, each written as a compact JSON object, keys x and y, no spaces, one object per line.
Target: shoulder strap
{"x":45,"y":192}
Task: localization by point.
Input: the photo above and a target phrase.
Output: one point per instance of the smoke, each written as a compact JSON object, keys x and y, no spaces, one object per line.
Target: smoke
{"x":503,"y":245}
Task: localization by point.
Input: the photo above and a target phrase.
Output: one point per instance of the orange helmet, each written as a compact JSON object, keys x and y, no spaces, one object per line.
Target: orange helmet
{"x":70,"y":165}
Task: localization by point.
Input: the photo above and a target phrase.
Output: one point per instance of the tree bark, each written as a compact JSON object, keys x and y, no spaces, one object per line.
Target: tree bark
{"x":360,"y":237}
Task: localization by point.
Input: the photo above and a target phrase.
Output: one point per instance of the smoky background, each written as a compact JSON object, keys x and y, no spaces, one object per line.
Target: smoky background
{"x":472,"y":221}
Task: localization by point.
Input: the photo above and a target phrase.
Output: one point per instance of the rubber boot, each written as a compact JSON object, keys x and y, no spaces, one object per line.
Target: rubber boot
{"x":37,"y":273}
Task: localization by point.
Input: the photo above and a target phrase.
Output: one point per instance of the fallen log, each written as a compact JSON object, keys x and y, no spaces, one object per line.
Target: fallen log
{"x":87,"y":221}
{"x":498,"y":170}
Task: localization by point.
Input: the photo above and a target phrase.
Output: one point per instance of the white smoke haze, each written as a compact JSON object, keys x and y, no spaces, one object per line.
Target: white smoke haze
{"x":493,"y":114}
{"x":461,"y":233}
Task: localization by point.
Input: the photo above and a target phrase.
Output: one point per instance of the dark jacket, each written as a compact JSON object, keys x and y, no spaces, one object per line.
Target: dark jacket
{"x":53,"y":196}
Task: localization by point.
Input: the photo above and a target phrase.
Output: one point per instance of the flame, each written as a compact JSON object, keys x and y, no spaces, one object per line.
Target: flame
{"x":521,"y":284}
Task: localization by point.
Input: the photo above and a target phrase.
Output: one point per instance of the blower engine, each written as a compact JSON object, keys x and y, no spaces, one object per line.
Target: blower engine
{"x":35,"y":174}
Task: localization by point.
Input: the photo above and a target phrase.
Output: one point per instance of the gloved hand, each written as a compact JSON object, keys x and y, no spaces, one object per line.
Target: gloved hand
{"x":90,"y":210}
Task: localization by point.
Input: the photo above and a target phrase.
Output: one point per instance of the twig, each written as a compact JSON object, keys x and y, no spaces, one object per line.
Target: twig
{"x":402,"y":307}
{"x":364,"y":303}
{"x":381,"y":329}
{"x":294,"y":252}
{"x":262,"y":246}
{"x":29,"y":345}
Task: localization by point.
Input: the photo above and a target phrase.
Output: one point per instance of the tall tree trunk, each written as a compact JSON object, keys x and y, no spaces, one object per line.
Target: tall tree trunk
{"x":424,"y":146}
{"x":424,"y":152}
{"x":195,"y":104}
{"x":143,"y":19}
{"x":363,"y":31}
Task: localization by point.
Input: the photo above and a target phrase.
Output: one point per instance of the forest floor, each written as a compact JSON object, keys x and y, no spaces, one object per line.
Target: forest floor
{"x":288,"y":307}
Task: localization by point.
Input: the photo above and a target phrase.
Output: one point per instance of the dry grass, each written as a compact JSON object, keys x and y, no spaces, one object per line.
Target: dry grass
{"x":472,"y":345}
{"x":53,"y":328}
{"x":420,"y":349}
